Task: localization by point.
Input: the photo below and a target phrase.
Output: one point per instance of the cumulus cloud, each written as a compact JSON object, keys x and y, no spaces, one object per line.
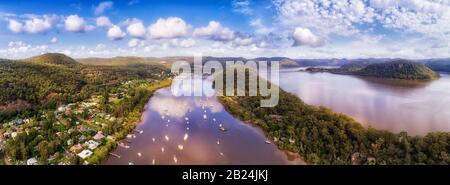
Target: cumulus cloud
{"x":75,"y":23}
{"x":215,"y":31}
{"x":259,"y":27}
{"x":171,"y":27}
{"x":102,"y":7}
{"x":54,"y":40}
{"x":304,"y":36}
{"x":187,"y":43}
{"x":136,"y":29}
{"x":115,"y":33}
{"x":344,"y":18}
{"x":15,"y":26}
{"x":34,"y":24}
{"x":135,"y":42}
{"x":244,"y":41}
{"x":103,"y":21}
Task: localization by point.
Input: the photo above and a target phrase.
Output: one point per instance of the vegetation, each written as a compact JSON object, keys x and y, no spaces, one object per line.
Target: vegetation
{"x":322,"y":136}
{"x":45,"y":81}
{"x":51,"y":103}
{"x":399,"y":69}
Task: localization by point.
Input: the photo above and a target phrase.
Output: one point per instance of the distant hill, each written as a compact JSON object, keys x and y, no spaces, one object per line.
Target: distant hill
{"x":50,"y":79}
{"x":437,"y":64}
{"x":398,"y":69}
{"x":53,"y":59}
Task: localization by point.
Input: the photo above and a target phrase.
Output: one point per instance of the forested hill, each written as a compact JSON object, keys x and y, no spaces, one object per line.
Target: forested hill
{"x":322,"y":136}
{"x":399,"y":69}
{"x":50,"y":79}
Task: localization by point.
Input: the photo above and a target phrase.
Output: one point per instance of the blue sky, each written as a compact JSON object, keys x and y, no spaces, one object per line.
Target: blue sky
{"x":292,"y":28}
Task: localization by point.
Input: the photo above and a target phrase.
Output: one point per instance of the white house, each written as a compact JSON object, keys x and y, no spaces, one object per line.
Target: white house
{"x":85,"y":154}
{"x":92,"y":144}
{"x":99,"y":136}
{"x":32,"y":161}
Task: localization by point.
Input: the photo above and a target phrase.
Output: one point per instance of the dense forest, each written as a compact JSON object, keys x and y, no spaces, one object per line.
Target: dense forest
{"x":51,"y":79}
{"x":397,"y":69}
{"x":322,"y":136}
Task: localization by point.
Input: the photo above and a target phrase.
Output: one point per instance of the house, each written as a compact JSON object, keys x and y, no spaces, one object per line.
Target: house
{"x":32,"y":161}
{"x":85,"y":154}
{"x":99,"y":136}
{"x":111,"y":138}
{"x":92,"y":144}
{"x":69,"y":142}
{"x":81,"y":138}
{"x":76,"y":148}
{"x":13,"y":134}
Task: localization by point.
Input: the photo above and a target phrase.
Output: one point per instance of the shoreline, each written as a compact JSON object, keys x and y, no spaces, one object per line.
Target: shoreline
{"x":163,"y":84}
{"x":291,"y":156}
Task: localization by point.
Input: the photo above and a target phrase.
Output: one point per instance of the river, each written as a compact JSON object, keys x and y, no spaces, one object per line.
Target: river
{"x":394,"y":105}
{"x":186,"y":130}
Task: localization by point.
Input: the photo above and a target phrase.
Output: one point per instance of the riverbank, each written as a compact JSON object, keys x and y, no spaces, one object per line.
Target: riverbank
{"x":322,"y":136}
{"x":135,"y":117}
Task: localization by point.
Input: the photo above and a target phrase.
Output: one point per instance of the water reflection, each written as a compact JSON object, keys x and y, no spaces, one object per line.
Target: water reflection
{"x":196,"y":130}
{"x":416,"y":107}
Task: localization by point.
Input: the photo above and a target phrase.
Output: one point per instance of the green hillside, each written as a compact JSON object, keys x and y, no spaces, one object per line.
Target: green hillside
{"x":48,"y":80}
{"x":399,"y":69}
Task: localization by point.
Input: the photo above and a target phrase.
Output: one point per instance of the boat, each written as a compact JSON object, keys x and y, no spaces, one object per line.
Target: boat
{"x":223,"y":129}
{"x":185,"y":136}
{"x":267,"y":142}
{"x":139,"y":154}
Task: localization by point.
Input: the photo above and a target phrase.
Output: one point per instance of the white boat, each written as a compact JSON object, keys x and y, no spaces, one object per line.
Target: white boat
{"x":204,"y":116}
{"x":267,"y":142}
{"x":139,"y":154}
{"x":185,"y":136}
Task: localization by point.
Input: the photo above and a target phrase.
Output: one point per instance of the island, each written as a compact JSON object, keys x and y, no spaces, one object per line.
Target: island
{"x":397,"y":69}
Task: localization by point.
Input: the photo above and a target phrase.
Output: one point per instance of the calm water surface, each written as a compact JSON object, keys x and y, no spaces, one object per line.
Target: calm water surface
{"x":185,"y":130}
{"x":395,"y":105}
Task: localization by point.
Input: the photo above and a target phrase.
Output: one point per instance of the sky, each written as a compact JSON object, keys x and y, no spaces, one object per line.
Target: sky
{"x":413,"y":29}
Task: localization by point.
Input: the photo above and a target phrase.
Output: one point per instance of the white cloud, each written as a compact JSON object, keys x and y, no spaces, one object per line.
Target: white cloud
{"x":75,"y":23}
{"x":54,"y":40}
{"x":242,"y":6}
{"x":135,"y":42}
{"x":187,"y":43}
{"x":100,"y":9}
{"x":15,"y":26}
{"x":304,"y":36}
{"x":244,"y":41}
{"x":36,"y":25}
{"x":103,"y":21}
{"x":115,"y":33}
{"x":215,"y":31}
{"x":428,"y":17}
{"x":171,"y":27}
{"x":259,"y":27}
{"x":33,"y":24}
{"x":136,"y":29}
